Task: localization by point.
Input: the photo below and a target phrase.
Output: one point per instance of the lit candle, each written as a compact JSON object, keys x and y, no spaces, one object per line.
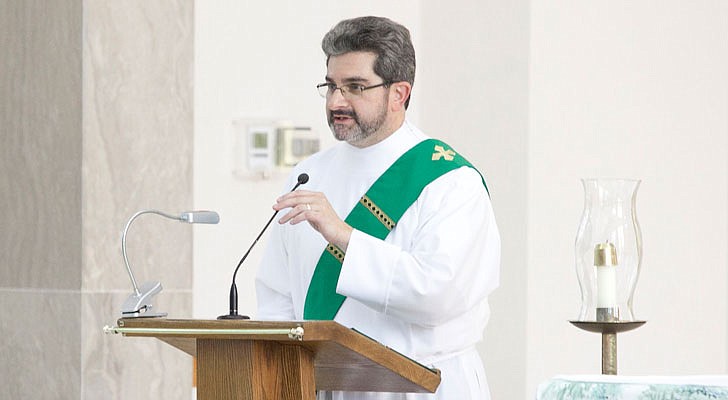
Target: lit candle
{"x":605,"y":261}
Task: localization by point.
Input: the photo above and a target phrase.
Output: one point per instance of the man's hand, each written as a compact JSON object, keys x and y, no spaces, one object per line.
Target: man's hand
{"x":315,"y":208}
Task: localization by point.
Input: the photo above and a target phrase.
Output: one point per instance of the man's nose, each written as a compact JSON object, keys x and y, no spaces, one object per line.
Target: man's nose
{"x":336,"y":99}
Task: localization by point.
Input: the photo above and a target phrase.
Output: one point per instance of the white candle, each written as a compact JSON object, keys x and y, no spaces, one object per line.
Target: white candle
{"x":606,"y":286}
{"x":605,"y":262}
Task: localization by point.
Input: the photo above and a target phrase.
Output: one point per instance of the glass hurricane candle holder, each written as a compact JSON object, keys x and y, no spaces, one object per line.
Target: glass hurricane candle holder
{"x":608,"y":250}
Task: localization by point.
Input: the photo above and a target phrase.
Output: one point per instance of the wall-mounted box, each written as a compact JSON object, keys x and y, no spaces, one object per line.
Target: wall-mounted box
{"x":262,"y":147}
{"x":295,"y":144}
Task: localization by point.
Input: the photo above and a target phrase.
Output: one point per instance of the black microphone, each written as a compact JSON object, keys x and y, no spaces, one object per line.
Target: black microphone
{"x":233,"y":314}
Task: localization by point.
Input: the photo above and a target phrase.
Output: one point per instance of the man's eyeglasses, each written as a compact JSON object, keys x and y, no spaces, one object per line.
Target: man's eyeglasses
{"x":350,"y":90}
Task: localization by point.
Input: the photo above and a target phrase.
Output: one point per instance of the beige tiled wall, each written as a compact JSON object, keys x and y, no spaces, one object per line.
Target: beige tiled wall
{"x":95,"y":124}
{"x":40,"y":199}
{"x":40,"y":148}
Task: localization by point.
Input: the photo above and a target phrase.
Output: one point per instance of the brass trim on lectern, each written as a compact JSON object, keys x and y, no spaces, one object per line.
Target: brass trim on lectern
{"x":255,"y":360}
{"x":293,"y":333}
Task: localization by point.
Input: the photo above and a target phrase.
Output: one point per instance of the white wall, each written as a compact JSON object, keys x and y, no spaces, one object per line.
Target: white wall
{"x":473,"y":86}
{"x":638,"y":90}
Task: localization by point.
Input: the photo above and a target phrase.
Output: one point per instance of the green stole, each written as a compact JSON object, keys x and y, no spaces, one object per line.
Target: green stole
{"x":377,"y":213}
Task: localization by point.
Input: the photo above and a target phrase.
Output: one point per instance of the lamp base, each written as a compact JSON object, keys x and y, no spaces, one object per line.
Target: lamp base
{"x":143,"y":315}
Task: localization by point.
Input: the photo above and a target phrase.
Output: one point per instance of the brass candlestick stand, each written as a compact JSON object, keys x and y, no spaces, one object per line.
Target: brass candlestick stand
{"x":609,"y":332}
{"x":608,"y":255}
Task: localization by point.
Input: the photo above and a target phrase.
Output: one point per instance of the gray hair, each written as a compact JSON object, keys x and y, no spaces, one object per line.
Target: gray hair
{"x":387,"y":39}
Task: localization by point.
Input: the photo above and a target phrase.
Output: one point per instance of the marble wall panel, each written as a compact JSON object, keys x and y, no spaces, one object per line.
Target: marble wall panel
{"x":79,"y":154}
{"x":40,"y":144}
{"x":118,"y":367}
{"x":41,"y":345}
{"x":137,"y":140}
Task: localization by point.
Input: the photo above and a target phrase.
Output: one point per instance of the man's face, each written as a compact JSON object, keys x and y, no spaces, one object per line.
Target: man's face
{"x":357,"y":119}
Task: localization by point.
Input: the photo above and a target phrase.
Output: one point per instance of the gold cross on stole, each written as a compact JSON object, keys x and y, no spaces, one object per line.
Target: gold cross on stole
{"x":440,"y":152}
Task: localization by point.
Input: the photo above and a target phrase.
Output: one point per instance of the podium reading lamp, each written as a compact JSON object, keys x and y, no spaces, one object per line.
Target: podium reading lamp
{"x":139,"y":303}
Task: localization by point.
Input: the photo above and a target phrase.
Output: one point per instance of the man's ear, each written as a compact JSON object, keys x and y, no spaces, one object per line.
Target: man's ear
{"x":400,"y":93}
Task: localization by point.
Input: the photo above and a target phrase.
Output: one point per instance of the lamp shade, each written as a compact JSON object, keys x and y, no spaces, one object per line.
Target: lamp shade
{"x":608,"y":250}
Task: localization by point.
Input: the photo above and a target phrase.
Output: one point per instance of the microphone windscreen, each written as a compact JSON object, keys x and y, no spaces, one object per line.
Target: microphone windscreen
{"x":303,"y":178}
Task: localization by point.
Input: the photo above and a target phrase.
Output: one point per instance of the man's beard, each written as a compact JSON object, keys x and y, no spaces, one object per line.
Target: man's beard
{"x":360,"y":130}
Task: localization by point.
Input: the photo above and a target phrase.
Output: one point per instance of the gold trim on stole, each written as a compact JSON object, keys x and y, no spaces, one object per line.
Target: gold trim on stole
{"x":378,"y":212}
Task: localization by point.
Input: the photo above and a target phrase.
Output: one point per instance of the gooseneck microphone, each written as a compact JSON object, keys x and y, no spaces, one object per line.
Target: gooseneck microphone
{"x":233,"y":314}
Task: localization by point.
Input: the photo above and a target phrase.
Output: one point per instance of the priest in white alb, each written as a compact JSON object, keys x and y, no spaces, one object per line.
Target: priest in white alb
{"x":394,"y":234}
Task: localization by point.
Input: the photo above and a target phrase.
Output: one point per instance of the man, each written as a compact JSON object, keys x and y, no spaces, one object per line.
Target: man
{"x":399,"y":239}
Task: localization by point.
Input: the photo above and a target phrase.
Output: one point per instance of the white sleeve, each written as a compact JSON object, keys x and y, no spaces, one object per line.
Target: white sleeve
{"x":443,"y":262}
{"x":272,"y":283}
{"x":272,"y":305}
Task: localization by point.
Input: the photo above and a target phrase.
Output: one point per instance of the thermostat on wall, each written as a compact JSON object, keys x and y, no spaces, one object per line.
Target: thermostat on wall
{"x":261,"y":150}
{"x":295,"y":144}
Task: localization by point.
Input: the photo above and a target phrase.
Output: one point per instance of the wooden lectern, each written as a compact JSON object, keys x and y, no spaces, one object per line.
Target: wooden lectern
{"x":256,"y":360}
